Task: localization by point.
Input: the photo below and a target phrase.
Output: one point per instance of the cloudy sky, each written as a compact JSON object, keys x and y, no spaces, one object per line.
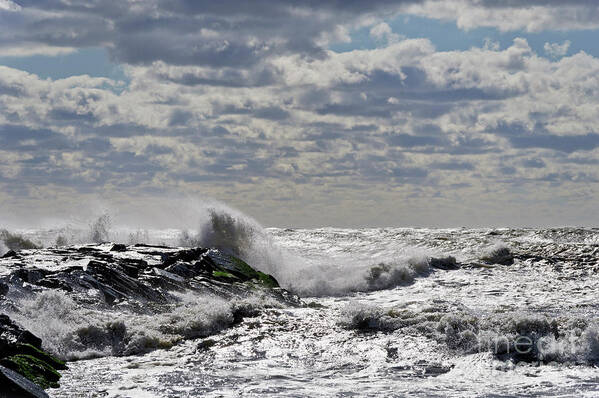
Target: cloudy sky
{"x":303,"y":113}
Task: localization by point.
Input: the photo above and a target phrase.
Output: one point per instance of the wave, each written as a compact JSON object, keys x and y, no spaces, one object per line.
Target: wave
{"x":72,"y":331}
{"x":231,"y":230}
{"x":510,"y":336}
{"x":225,"y":228}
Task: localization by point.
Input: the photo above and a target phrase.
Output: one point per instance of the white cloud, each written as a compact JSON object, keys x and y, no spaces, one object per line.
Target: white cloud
{"x":531,"y":16}
{"x":9,"y":5}
{"x":264,"y":112}
{"x":556,"y":50}
{"x":382,"y":33}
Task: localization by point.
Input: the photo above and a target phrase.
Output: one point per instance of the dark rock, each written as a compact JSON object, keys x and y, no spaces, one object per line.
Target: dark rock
{"x":87,"y":249}
{"x":152,"y":246}
{"x":28,"y":349}
{"x":13,"y":385}
{"x":118,"y":247}
{"x":10,"y":254}
{"x":30,"y":275}
{"x":141,"y":281}
{"x":36,"y":370}
{"x":11,"y":334}
{"x":132,"y":266}
{"x":103,"y":256}
{"x":244,"y":311}
{"x":130,"y":270}
{"x":500,"y":255}
{"x":20,"y":351}
{"x":183,"y":255}
{"x":54,"y":283}
{"x":131,"y":278}
{"x":182,"y":269}
{"x":444,"y":263}
{"x":118,"y":284}
{"x":165,"y":274}
{"x":205,"y":344}
{"x":239,"y":268}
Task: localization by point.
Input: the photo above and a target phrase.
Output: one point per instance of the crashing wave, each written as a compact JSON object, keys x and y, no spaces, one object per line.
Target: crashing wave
{"x":231,"y":231}
{"x":499,"y":253}
{"x":516,"y":336}
{"x":72,"y":331}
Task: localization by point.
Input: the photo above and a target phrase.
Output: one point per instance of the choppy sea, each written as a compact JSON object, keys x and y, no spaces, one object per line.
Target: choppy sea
{"x":380,"y":319}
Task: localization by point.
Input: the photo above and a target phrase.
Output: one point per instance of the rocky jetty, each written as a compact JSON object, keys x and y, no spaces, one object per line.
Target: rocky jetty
{"x":105,"y":276}
{"x":25,"y":369}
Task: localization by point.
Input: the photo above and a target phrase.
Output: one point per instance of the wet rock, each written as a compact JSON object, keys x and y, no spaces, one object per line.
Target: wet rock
{"x":205,"y":344}
{"x":151,"y":246}
{"x":118,"y":247}
{"x":170,"y":276}
{"x":20,"y":351}
{"x":31,"y":275}
{"x":115,"y":282}
{"x":28,"y":349}
{"x":499,"y":255}
{"x":15,"y":385}
{"x":183,"y":255}
{"x":138,"y":279}
{"x":88,"y":249}
{"x":12,"y":334}
{"x":140,"y":275}
{"x":235,"y":266}
{"x":54,"y":283}
{"x":10,"y":254}
{"x":182,"y":269}
{"x":34,"y":369}
{"x":130,"y":270}
{"x":444,"y":263}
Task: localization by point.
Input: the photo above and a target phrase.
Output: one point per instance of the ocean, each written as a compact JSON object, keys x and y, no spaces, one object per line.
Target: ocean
{"x":460,"y":312}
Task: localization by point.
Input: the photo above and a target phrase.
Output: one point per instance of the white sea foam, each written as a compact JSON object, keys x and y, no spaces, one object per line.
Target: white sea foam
{"x":72,"y":331}
{"x":439,"y":333}
{"x":542,"y":339}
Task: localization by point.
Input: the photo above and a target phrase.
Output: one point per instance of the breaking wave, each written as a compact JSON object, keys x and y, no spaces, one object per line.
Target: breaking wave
{"x":230,"y":230}
{"x":71,"y":331}
{"x":514,"y":336}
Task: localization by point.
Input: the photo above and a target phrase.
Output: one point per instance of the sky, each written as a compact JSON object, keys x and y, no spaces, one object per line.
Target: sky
{"x":301,"y":113}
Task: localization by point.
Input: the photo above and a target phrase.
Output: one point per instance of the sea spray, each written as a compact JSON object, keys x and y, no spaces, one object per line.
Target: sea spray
{"x":3,"y":248}
{"x":231,"y":230}
{"x":71,"y":331}
{"x":213,"y":224}
{"x":517,"y":336}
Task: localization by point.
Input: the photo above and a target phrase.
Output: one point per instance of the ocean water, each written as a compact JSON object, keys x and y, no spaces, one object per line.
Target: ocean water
{"x":381,"y":319}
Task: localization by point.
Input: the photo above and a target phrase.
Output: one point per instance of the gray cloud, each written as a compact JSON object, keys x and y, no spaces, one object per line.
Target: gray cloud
{"x":230,"y":97}
{"x":521,"y":137}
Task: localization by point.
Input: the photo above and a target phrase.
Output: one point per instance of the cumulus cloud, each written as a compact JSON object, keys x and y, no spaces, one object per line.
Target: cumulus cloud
{"x":248,"y":103}
{"x":228,"y":34}
{"x":241,"y":35}
{"x":382,"y":33}
{"x":531,"y":16}
{"x":557,"y":50}
{"x":9,"y":5}
{"x":383,"y":111}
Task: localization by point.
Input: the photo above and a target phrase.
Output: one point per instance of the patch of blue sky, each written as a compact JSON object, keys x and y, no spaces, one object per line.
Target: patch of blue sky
{"x":94,"y":62}
{"x":446,"y":36}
